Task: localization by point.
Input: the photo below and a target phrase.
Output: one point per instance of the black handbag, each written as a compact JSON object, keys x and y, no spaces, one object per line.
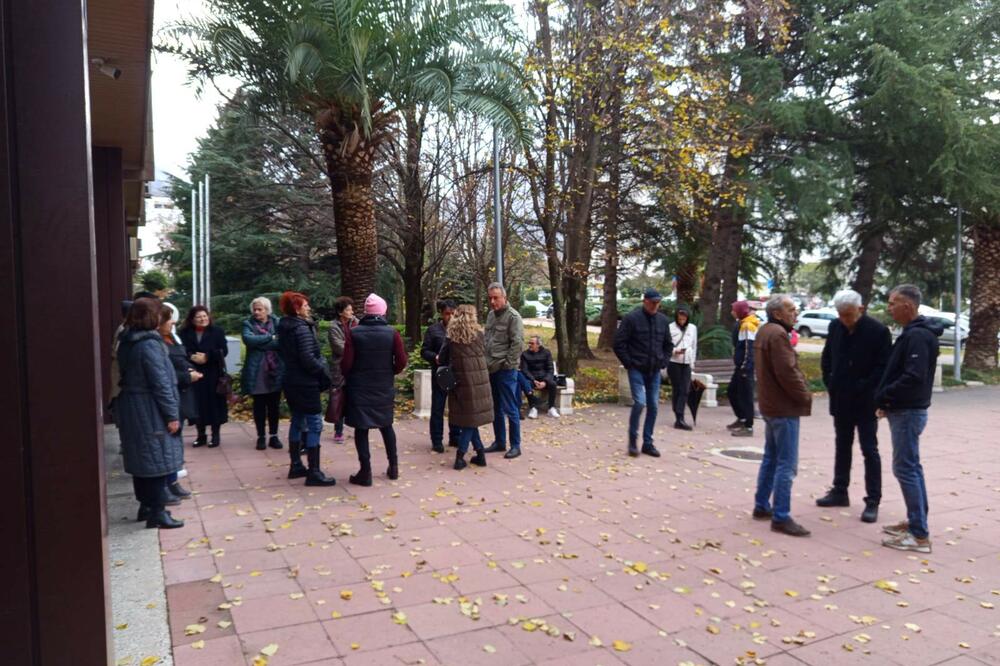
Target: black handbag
{"x":561,"y":381}
{"x":445,"y":379}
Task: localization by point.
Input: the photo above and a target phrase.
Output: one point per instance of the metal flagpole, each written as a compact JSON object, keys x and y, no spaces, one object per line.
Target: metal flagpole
{"x":958,"y":298}
{"x":194,"y":246}
{"x":201,"y":241}
{"x":497,"y":222}
{"x":207,"y":203}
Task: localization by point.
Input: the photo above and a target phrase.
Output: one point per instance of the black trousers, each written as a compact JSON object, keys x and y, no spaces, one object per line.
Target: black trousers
{"x":200,"y":427}
{"x":680,"y":384}
{"x":364,"y":449}
{"x":439,"y":399}
{"x":867,"y":427}
{"x":266,"y":407}
{"x":535,"y":399}
{"x":740,"y":394}
{"x":150,"y":490}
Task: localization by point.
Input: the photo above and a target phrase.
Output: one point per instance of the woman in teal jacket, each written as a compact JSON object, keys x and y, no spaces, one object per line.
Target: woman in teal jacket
{"x":263,"y":370}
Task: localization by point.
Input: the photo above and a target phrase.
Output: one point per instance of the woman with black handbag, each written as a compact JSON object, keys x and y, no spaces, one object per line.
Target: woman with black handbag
{"x":306,"y":377}
{"x":470,"y":400}
{"x":207,"y":348}
{"x":262,"y":371}
{"x":339,"y":336}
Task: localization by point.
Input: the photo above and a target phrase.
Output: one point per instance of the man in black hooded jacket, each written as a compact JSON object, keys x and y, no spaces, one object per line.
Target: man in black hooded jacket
{"x":903,"y":395}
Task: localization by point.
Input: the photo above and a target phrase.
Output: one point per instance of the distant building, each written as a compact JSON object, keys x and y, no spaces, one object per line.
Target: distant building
{"x":162,"y":217}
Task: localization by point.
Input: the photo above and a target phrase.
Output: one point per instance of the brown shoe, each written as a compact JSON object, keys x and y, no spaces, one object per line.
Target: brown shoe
{"x":789,"y":527}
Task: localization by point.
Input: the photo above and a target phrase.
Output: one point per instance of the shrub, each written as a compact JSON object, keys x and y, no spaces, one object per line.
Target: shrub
{"x":715,"y":342}
{"x":529,"y":311}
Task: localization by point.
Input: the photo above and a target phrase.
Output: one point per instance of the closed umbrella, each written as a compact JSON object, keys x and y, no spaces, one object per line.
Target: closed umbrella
{"x":694,"y":398}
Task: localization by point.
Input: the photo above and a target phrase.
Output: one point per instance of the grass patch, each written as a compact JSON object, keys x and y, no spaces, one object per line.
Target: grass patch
{"x":989,"y":377}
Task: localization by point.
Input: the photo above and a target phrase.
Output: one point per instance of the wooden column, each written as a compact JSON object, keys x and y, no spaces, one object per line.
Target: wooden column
{"x":54,"y":554}
{"x":111,"y":235}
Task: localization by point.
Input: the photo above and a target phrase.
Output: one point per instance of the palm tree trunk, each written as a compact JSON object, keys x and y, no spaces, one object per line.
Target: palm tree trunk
{"x":981,"y":350}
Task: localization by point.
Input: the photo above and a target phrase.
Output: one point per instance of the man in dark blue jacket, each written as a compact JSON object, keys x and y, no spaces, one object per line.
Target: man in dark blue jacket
{"x":903,"y":395}
{"x":433,"y":341}
{"x":643,"y":345}
{"x":854,"y":357}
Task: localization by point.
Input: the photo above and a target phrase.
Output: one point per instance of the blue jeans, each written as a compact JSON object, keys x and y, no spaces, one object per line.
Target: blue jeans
{"x":439,"y":399}
{"x":311,"y":425}
{"x":906,"y":426}
{"x":506,"y":389}
{"x":645,"y":393}
{"x":779,"y":467}
{"x":466,"y":435}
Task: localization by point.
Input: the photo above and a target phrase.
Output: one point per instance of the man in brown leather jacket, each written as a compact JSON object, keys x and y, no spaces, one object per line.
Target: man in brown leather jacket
{"x":783,"y":396}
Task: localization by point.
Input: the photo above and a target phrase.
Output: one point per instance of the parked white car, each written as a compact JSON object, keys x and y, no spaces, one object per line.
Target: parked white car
{"x":815,"y":322}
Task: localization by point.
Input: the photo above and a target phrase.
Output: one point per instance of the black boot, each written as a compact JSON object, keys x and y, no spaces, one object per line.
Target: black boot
{"x":633,"y":450}
{"x":202,"y":440}
{"x":834,"y":498}
{"x":681,"y":424}
{"x":143,"y":514}
{"x":437,"y":447}
{"x":296,"y":470}
{"x":215,"y":439}
{"x":364,"y":475}
{"x":178,"y":491}
{"x":275,"y":443}
{"x":870,"y":514}
{"x":315,"y":476}
{"x":460,"y":461}
{"x":389,"y":437}
{"x":160,"y":517}
{"x":261,"y":443}
{"x":479,"y":460}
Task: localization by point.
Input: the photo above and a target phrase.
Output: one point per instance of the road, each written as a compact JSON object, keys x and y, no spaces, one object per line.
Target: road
{"x":813,"y":345}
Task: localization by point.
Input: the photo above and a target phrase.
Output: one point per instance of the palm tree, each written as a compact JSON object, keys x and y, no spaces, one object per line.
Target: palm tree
{"x":354,"y":66}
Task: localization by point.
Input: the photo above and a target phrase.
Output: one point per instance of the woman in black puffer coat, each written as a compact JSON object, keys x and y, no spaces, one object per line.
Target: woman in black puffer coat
{"x":306,"y":378}
{"x":373,"y":358}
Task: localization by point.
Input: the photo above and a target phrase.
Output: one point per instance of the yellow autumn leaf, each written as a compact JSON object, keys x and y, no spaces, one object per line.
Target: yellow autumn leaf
{"x":890,"y":586}
{"x":489,"y":649}
{"x":217,"y":578}
{"x":915,"y":628}
{"x":198,"y":645}
{"x":296,"y":595}
{"x":355,"y":646}
{"x":529,"y":626}
{"x":640,"y":567}
{"x":149,"y":661}
{"x":346,"y":595}
{"x":224,"y":624}
{"x":336,"y":615}
{"x":791,"y":593}
{"x":254,"y":574}
{"x":269,"y":650}
{"x":259,"y":660}
{"x":119,"y":627}
{"x":193,"y":629}
{"x":399,"y":617}
{"x":621,"y":646}
{"x":712,"y":629}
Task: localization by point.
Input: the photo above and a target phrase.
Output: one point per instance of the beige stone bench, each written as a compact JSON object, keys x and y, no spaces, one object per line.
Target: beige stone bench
{"x":422,"y":393}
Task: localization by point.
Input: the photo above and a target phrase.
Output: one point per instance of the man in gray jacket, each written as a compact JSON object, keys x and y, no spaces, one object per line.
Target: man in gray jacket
{"x":504,"y":343}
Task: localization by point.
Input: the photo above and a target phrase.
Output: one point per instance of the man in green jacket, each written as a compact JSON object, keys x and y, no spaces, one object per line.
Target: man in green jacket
{"x":504,"y":344}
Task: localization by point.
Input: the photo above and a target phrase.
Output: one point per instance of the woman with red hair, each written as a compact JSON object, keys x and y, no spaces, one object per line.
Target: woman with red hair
{"x":306,"y":377}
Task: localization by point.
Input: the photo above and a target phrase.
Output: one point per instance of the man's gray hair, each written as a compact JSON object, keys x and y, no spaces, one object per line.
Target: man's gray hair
{"x":536,"y":338}
{"x":498,"y":286}
{"x":847,"y":298}
{"x":910,"y":292}
{"x":775,"y":303}
{"x":261,"y":300}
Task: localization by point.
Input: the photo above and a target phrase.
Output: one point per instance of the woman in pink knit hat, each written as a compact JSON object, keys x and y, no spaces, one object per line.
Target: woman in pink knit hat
{"x":371,"y":362}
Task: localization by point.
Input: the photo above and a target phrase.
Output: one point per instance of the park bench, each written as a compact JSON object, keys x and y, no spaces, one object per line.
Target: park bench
{"x":422,"y":394}
{"x":710,"y":372}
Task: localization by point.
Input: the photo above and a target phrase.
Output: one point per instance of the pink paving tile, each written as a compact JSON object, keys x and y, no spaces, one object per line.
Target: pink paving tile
{"x":539,"y":646}
{"x":271,"y":612}
{"x":421,"y":588}
{"x":432,"y":620}
{"x":411,"y":653}
{"x":297,"y":644}
{"x":217,"y":652}
{"x":245,"y":561}
{"x":268,"y":584}
{"x":372,"y":631}
{"x":189,"y":569}
{"x":499,"y":606}
{"x":570,"y":595}
{"x":612,"y":622}
{"x":362,"y":599}
{"x":479,"y":577}
{"x":469,"y":649}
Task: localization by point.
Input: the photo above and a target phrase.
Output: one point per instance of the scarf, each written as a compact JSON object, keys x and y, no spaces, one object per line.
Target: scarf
{"x":270,"y":362}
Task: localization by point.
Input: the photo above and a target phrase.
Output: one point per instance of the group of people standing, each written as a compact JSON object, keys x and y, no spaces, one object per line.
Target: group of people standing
{"x":491,"y":371}
{"x":868,"y":377}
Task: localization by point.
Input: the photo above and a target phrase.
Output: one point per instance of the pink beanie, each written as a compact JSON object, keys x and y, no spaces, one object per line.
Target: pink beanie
{"x":375,"y":305}
{"x":742,"y":309}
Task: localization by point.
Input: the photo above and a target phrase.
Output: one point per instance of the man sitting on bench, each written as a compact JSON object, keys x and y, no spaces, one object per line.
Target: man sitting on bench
{"x":537,"y":366}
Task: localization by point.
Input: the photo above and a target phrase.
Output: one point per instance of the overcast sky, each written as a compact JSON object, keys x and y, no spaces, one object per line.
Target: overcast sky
{"x":179,"y":116}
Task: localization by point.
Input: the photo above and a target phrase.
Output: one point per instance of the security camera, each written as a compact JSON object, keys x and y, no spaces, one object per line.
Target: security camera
{"x":107,"y":70}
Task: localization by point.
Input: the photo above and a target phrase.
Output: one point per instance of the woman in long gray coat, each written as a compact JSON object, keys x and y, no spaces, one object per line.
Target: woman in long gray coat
{"x":147,"y":412}
{"x":470,"y":403}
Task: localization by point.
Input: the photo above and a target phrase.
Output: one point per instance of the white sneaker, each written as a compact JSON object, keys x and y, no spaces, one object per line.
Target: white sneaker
{"x":553,"y":412}
{"x":532,"y":413}
{"x":181,"y":473}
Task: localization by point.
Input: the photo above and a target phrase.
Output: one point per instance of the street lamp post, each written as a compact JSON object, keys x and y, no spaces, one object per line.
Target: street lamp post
{"x":958,"y":298}
{"x":497,"y":222}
